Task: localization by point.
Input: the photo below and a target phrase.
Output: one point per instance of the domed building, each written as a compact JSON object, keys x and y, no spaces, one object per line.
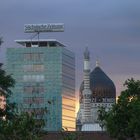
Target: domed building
{"x":101,"y":86}
{"x":102,"y":94}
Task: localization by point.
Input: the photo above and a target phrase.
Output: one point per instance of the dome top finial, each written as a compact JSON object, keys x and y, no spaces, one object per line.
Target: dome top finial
{"x":86,"y":54}
{"x":97,"y":63}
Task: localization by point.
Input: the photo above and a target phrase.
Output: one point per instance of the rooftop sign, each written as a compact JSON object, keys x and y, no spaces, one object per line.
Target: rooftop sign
{"x":50,"y":27}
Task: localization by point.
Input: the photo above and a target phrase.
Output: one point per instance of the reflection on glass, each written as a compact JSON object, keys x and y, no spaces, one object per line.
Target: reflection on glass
{"x":33,"y":100}
{"x":33,"y":78}
{"x":33,"y":68}
{"x":33,"y":56}
{"x":68,"y":112}
{"x":70,"y":125}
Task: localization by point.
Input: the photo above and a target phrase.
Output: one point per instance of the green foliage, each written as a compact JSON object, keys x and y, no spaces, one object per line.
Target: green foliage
{"x":23,"y":127}
{"x":1,"y":40}
{"x":101,"y":117}
{"x":122,"y":121}
{"x":69,"y":135}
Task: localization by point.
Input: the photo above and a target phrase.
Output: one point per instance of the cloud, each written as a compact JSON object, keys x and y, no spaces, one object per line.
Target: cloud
{"x":110,"y":28}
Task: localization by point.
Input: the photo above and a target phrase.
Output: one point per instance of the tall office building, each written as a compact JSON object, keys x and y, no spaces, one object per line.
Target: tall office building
{"x":44,"y":71}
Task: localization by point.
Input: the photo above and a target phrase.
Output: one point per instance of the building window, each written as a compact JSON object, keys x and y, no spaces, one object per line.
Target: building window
{"x":33,"y":56}
{"x":33,"y":100}
{"x":33,"y":89}
{"x":33,"y":68}
{"x":33,"y":78}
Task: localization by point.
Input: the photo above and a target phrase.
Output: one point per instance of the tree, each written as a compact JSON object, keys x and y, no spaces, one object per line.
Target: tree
{"x":101,"y":117}
{"x":16,"y":126}
{"x":122,"y":121}
{"x":23,"y":127}
{"x":6,"y":83}
{"x":69,"y":135}
{"x":1,"y":40}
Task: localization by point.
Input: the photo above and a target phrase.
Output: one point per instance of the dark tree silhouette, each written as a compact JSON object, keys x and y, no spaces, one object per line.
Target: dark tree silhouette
{"x":123,"y":120}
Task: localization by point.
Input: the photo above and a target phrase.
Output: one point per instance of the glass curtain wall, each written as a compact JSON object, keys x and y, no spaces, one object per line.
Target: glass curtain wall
{"x":68,"y":95}
{"x":45,"y":83}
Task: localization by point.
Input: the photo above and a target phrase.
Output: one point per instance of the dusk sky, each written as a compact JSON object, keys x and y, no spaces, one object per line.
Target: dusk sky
{"x":110,"y":29}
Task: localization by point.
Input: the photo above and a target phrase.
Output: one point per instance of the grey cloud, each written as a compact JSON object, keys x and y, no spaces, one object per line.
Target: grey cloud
{"x":111,"y":28}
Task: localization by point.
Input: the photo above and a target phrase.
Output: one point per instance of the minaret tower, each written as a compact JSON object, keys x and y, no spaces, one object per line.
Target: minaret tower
{"x":86,"y":118}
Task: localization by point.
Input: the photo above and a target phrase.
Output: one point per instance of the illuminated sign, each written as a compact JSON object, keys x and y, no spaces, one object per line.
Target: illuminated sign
{"x":50,"y":27}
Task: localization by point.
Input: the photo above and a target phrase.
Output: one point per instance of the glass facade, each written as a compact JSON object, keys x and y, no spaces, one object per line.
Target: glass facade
{"x":45,"y":83}
{"x":68,"y":98}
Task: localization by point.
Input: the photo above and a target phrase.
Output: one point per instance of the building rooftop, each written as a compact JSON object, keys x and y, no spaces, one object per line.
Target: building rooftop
{"x":40,"y":43}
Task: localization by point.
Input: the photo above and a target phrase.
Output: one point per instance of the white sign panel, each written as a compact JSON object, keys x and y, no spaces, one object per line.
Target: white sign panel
{"x":50,"y":27}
